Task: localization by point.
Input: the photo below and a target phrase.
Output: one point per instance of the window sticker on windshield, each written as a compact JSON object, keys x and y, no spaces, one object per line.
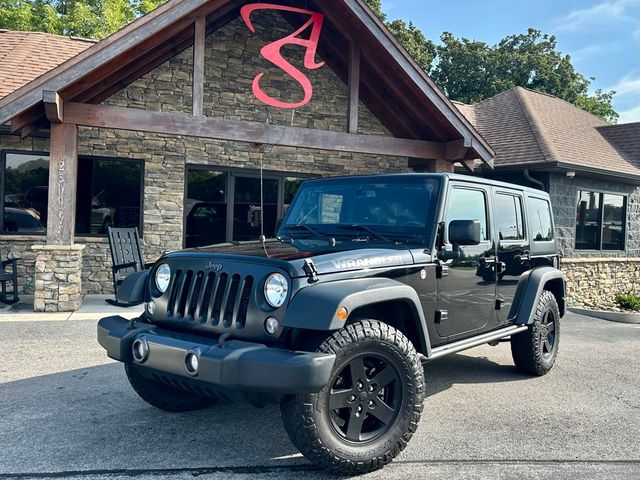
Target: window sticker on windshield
{"x":330,"y":208}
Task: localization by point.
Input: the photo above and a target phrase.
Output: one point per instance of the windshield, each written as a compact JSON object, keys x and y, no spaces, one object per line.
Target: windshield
{"x":385,"y":210}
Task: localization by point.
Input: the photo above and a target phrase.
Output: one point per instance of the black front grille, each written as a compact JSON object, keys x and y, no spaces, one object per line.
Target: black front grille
{"x":210,"y":299}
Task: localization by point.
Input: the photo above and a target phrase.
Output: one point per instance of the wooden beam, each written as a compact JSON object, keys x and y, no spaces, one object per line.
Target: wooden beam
{"x":53,"y":106}
{"x":218,"y":129}
{"x":354,"y":86}
{"x":456,"y":150}
{"x":25,"y":118}
{"x":469,"y":165}
{"x":198,"y":66}
{"x":63,"y":172}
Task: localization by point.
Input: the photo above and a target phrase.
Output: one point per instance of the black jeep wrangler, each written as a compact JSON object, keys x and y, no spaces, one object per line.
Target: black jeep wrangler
{"x":369,"y":278}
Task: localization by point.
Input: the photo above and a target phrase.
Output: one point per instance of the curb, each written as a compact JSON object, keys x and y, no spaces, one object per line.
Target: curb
{"x":619,"y":317}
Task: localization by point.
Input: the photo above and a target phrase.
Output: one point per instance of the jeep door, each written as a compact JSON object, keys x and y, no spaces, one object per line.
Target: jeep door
{"x":467,"y":287}
{"x":513,"y":247}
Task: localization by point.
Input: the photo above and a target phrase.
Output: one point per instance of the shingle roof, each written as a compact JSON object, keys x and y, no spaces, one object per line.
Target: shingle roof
{"x":625,"y":138}
{"x":27,"y":55}
{"x":527,"y":127}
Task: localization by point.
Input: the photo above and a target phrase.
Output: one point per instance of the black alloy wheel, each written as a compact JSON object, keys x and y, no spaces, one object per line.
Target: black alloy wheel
{"x":371,"y":406}
{"x":535,"y":350}
{"x":364,"y":398}
{"x":547,"y":334}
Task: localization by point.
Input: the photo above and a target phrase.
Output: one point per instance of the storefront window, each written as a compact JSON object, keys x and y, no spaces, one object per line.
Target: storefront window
{"x":215,"y":216}
{"x":600,"y":221}
{"x":24,"y":189}
{"x":108,"y":193}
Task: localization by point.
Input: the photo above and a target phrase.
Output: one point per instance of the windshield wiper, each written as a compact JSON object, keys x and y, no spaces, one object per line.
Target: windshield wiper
{"x":364,"y":228}
{"x":303,"y":227}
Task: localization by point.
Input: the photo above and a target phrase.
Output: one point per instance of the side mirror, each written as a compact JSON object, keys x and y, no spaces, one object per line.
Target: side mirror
{"x":464,"y":232}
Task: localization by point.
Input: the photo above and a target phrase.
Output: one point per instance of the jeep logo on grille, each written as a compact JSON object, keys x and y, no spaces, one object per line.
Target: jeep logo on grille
{"x":216,"y":267}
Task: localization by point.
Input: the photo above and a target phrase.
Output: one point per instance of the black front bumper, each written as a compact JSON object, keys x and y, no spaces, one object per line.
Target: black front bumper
{"x":234,"y":366}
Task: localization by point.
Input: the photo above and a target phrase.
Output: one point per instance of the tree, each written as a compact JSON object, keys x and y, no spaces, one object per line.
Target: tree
{"x":470,"y":71}
{"x":83,"y":18}
{"x":411,"y":37}
{"x":467,"y":70}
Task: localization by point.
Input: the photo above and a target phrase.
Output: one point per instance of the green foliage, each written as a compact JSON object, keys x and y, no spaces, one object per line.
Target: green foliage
{"x":628,"y":301}
{"x":471,"y":71}
{"x":82,"y":18}
{"x":467,"y":70}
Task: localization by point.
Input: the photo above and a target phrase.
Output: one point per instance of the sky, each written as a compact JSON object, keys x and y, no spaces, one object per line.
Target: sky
{"x":602,"y":36}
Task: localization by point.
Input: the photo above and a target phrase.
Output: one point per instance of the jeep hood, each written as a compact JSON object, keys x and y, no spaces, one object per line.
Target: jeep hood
{"x":292,"y":258}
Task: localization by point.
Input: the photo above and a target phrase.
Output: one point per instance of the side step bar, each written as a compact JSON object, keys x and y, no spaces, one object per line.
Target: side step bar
{"x":473,"y":342}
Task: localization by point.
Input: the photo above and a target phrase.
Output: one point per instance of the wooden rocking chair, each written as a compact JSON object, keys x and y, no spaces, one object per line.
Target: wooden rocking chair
{"x":11,"y":277}
{"x":126,"y":255}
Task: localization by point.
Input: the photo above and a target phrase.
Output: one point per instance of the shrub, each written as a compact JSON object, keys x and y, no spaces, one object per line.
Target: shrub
{"x":628,"y":301}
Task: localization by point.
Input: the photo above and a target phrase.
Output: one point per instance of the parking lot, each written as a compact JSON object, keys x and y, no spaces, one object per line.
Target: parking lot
{"x":67,"y":411}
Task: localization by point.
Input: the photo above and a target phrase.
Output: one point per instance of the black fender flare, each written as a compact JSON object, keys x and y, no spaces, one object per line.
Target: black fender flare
{"x":315,"y":307}
{"x":529,"y":289}
{"x":133,"y":288}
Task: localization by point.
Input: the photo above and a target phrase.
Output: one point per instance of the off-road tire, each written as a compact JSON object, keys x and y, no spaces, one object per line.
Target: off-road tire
{"x":308,"y":418}
{"x":528,"y":348}
{"x":162,"y":396}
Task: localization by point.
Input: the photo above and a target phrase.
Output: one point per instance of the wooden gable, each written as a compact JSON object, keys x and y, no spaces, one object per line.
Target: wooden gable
{"x":376,"y":70}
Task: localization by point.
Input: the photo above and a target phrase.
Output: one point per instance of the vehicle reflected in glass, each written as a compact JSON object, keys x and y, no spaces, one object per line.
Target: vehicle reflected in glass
{"x":23,"y":221}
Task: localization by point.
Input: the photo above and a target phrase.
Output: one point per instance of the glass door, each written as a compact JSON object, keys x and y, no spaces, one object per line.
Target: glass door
{"x":247,"y":208}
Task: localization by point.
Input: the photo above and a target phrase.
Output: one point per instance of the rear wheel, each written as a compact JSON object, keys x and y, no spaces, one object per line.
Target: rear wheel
{"x":535,"y":350}
{"x":371,"y":406}
{"x":162,"y":396}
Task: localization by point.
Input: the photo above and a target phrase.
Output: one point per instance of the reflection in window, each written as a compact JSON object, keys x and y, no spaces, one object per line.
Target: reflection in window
{"x":206,"y":207}
{"x":465,"y":204}
{"x":212,"y":196}
{"x":600,"y":221}
{"x":540,"y":220}
{"x":109,"y":192}
{"x":26,"y":177}
{"x":247,"y":208}
{"x":509,"y":217}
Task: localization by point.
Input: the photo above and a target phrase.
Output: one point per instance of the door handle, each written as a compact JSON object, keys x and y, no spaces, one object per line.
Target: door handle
{"x":488,"y":260}
{"x":523,"y":257}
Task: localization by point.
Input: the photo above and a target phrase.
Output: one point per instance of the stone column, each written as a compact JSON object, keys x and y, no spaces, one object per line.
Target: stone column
{"x":58,"y":285}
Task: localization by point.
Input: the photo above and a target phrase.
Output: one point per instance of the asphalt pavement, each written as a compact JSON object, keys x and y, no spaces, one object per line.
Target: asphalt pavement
{"x":67,"y":411}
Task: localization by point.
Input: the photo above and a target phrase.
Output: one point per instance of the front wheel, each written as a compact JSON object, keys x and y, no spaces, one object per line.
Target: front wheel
{"x":371,"y":406}
{"x":535,"y":350}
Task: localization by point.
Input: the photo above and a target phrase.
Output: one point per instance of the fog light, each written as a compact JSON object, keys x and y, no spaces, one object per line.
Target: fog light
{"x":192,"y":363}
{"x":151,"y":307}
{"x":140,"y":350}
{"x":271,"y":325}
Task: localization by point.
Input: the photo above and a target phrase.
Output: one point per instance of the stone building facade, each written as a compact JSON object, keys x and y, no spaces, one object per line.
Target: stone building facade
{"x":232,"y":58}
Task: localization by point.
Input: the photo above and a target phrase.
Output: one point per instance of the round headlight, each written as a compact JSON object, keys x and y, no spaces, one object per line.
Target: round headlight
{"x":275,"y":290}
{"x":163,"y":276}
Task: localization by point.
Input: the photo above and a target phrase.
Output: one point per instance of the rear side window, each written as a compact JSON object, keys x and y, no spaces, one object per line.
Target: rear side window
{"x":540,"y":219}
{"x":509,"y":217}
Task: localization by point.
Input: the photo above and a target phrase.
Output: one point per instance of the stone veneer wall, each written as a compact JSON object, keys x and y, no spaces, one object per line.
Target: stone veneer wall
{"x":57,"y":278}
{"x":232,"y":61}
{"x":594,"y":282}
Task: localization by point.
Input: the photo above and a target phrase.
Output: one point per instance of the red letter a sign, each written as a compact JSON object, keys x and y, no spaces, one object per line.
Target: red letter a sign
{"x":272,"y":52}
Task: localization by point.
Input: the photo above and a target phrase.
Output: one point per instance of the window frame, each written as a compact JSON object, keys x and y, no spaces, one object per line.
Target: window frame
{"x":625,"y":222}
{"x":3,"y":157}
{"x":523,"y":218}
{"x":232,"y":173}
{"x":488,"y":203}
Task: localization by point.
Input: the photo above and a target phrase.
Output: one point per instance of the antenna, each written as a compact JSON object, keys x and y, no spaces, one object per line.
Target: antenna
{"x":263,"y":239}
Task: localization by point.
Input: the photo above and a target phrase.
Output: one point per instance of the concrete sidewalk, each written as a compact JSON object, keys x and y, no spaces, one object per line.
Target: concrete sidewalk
{"x":93,"y":307}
